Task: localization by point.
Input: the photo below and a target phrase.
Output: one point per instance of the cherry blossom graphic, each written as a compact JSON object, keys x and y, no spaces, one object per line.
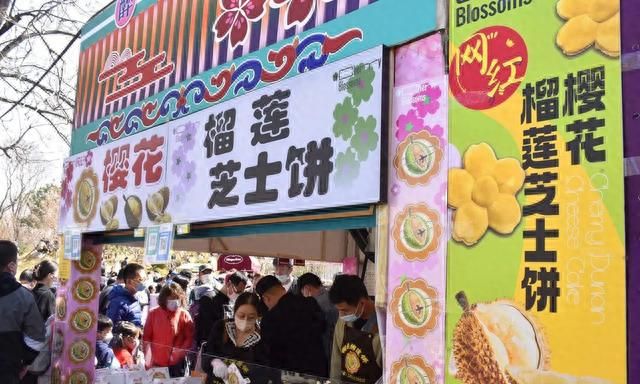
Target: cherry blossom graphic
{"x":408,"y":124}
{"x":298,"y":11}
{"x":438,"y":132}
{"x":187,"y":136}
{"x":235,"y":18}
{"x":178,"y":159}
{"x":426,"y":101}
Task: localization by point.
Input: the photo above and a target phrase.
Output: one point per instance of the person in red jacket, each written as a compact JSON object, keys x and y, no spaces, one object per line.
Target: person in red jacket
{"x":169,"y":331}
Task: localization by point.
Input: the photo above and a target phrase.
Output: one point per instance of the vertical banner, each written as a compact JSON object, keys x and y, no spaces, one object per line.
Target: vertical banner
{"x":417,"y":215}
{"x":536,"y":274}
{"x":630,"y":14}
{"x":75,"y":326}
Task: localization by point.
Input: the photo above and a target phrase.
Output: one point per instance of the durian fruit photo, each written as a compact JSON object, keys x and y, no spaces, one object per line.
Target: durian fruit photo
{"x":492,"y":337}
{"x":499,"y":343}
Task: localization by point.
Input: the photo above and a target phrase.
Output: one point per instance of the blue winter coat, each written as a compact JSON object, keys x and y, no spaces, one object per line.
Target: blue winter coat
{"x":123,"y":306}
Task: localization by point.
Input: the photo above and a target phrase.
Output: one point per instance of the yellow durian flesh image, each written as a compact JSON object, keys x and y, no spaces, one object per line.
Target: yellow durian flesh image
{"x":459,"y":187}
{"x":509,"y":175}
{"x":470,"y":223}
{"x":491,"y":338}
{"x":525,"y":376}
{"x":608,"y":36}
{"x":485,"y":191}
{"x":572,"y":8}
{"x":505,"y":214}
{"x":603,"y":10}
{"x":576,"y":35}
{"x":479,"y":160}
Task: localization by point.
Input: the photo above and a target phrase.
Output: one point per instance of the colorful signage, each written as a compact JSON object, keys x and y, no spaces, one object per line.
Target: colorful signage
{"x":414,"y":343}
{"x":536,"y":260}
{"x":271,"y":151}
{"x":142,"y":76}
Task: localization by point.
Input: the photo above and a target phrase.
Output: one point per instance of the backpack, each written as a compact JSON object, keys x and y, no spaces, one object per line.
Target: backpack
{"x":41,"y":364}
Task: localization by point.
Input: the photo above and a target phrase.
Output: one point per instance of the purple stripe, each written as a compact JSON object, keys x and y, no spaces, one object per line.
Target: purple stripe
{"x":352,"y":5}
{"x":254,"y":40}
{"x":290,"y":32}
{"x":272,"y":30}
{"x":237,"y":52}
{"x":222,"y":51}
{"x":312,"y":21}
{"x":108,"y":109}
{"x":372,"y":1}
{"x":208,"y":51}
{"x":330,"y":11}
{"x":161,"y":86}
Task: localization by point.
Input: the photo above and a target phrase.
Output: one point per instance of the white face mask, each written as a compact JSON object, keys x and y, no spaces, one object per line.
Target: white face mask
{"x":283,"y":278}
{"x":173,"y":305}
{"x":352,"y":317}
{"x":108,"y":337}
{"x":206,"y":279}
{"x":245,"y":325}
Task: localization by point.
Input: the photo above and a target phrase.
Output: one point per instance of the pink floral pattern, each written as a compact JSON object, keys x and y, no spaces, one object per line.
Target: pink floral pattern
{"x":66,"y":192}
{"x":298,"y":11}
{"x":426,"y":101}
{"x":438,"y":132}
{"x":234,"y":21}
{"x":408,"y":124}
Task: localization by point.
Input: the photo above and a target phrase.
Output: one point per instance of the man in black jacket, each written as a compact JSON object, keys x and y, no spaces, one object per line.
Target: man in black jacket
{"x":22,"y":333}
{"x":292,"y":329}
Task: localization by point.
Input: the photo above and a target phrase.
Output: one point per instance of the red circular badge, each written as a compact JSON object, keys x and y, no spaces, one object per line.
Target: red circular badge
{"x":488,"y":67}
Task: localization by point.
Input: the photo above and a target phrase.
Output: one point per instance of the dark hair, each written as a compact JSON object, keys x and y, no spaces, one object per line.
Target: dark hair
{"x":27,"y":275}
{"x":266,"y":284}
{"x":104,"y":323}
{"x":182,"y":282}
{"x":44,"y":269}
{"x":111,"y":281}
{"x":169,"y":290}
{"x":122,"y":330}
{"x":186,"y":274}
{"x":347,"y":289}
{"x":236,"y":278}
{"x":120,"y":275}
{"x":246,"y":298}
{"x":131,"y":270}
{"x":8,"y":253}
{"x":309,"y":279}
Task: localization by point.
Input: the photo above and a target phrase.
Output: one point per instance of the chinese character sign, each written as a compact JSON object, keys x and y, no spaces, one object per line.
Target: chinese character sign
{"x":270,"y":151}
{"x":278,"y":150}
{"x":118,"y":186}
{"x":535,"y":193}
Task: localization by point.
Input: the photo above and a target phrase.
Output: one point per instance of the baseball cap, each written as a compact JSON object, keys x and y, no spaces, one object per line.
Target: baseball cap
{"x":205,"y":267}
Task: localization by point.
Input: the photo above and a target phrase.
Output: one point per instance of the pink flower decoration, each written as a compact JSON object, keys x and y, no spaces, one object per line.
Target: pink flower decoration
{"x":298,"y":11}
{"x":88,"y":159}
{"x":408,"y":124}
{"x":395,"y":189}
{"x":438,"y":132}
{"x":234,"y":21}
{"x":426,"y":101}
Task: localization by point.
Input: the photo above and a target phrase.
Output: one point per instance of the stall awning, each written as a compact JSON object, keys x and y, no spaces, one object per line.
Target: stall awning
{"x":319,"y":235}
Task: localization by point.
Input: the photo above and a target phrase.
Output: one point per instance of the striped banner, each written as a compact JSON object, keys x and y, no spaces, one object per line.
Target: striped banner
{"x":183,"y":29}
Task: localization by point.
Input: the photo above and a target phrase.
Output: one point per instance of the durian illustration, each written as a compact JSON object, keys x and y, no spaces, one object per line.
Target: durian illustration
{"x":519,"y":376}
{"x":108,"y":211}
{"x":157,"y":204}
{"x":483,"y":194}
{"x":492,"y":338}
{"x":417,"y":232}
{"x":415,"y":307}
{"x":86,"y":197}
{"x":589,"y":23}
{"x":412,"y":370}
{"x":132,"y":210}
{"x":418,"y":158}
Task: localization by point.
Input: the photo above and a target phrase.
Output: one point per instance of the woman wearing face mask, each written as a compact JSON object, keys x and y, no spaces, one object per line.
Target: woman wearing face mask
{"x":125,"y":341}
{"x":45,"y":275}
{"x":169,"y":330}
{"x":212,"y":304}
{"x":237,"y":341}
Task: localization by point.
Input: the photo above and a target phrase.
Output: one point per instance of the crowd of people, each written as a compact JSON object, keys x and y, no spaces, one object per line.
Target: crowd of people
{"x":200,"y":324}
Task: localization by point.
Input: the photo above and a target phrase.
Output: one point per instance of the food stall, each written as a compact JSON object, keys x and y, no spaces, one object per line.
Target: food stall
{"x":333,"y":129}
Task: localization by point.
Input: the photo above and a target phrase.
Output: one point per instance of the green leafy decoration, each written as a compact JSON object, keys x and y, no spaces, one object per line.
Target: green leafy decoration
{"x":366,"y":138}
{"x":361,"y":85}
{"x":345,"y":115}
{"x":347,"y":167}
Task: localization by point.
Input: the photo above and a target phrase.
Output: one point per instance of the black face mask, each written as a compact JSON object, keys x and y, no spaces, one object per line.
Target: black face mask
{"x":54,"y":290}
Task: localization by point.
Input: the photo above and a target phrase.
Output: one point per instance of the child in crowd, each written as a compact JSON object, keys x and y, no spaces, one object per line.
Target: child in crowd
{"x":104,"y":355}
{"x":125,"y":344}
